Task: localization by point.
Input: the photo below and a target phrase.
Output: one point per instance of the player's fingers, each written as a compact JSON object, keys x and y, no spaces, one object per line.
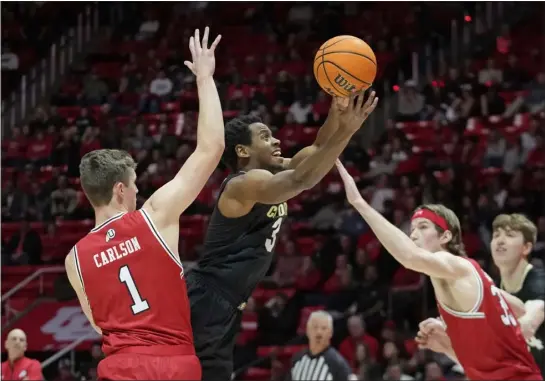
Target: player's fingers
{"x":369,"y":101}
{"x":205,"y":38}
{"x":189,"y":65}
{"x":192,"y":46}
{"x":198,"y":46}
{"x":351,"y":100}
{"x":215,"y":43}
{"x":424,"y":323}
{"x":372,"y":107}
{"x":361,"y":97}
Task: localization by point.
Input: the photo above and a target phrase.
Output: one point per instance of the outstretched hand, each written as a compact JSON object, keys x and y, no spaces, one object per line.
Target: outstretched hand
{"x":353,"y":111}
{"x":203,"y":61}
{"x":353,"y":194}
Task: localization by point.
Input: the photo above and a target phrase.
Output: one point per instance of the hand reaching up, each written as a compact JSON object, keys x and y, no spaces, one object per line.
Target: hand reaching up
{"x":203,"y":59}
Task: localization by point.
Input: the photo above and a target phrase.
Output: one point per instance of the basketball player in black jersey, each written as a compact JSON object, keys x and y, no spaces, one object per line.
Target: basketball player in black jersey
{"x":251,"y":207}
{"x":512,"y":241}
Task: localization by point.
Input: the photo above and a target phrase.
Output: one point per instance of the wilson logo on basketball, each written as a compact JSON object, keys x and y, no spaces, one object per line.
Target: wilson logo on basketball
{"x":343,"y":82}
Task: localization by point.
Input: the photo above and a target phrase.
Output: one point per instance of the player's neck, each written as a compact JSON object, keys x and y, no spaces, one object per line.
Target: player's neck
{"x":511,"y":276}
{"x":104,"y":213}
{"x":314,"y":349}
{"x":14,"y":358}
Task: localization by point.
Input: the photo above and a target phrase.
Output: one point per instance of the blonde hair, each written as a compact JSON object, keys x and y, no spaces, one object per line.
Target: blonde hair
{"x":517,"y":222}
{"x":455,"y":245}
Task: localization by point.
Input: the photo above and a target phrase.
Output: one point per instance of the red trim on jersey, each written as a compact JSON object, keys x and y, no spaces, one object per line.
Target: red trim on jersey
{"x":433,"y":217}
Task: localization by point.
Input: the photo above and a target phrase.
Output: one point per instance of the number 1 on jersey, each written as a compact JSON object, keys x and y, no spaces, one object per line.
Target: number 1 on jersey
{"x":139,"y":305}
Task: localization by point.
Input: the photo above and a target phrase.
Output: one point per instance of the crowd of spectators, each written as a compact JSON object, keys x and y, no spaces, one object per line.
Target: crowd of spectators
{"x":472,"y":139}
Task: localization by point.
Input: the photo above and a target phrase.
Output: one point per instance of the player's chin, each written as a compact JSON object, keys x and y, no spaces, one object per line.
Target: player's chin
{"x":276,"y":163}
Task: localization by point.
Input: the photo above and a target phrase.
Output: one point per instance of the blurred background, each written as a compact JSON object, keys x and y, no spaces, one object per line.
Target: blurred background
{"x":461,"y":121}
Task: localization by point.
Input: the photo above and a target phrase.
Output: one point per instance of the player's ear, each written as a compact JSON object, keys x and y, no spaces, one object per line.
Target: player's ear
{"x":242,"y":151}
{"x":527,"y":248}
{"x":446,"y":237}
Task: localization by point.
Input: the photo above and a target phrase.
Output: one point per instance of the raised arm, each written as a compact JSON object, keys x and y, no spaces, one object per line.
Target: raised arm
{"x":169,"y":201}
{"x":264,"y":187}
{"x":439,"y":265}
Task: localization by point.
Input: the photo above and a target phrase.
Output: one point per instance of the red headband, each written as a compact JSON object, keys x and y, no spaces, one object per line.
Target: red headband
{"x":433,"y":217}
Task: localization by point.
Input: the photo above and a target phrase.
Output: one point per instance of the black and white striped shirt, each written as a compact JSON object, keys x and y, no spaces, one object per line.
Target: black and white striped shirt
{"x":328,"y":365}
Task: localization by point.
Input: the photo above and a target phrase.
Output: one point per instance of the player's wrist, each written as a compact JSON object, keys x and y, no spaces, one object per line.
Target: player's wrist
{"x":203,"y":79}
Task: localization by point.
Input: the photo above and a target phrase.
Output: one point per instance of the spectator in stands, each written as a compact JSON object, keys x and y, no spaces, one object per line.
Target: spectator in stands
{"x":490,"y":74}
{"x":495,"y":150}
{"x":514,"y":76}
{"x":382,"y":193}
{"x":160,"y":87}
{"x":410,"y":102}
{"x":534,"y":101}
{"x":324,"y":219}
{"x":95,"y":90}
{"x":17,"y":366}
{"x":357,"y":335}
{"x":65,"y":371}
{"x":38,"y":202}
{"x":514,"y":156}
{"x":301,"y":110}
{"x":64,"y":200}
{"x":277,"y":321}
{"x":148,"y":28}
{"x":83,"y":121}
{"x":394,"y":372}
{"x":434,"y":372}
{"x":370,"y":301}
{"x":24,"y":247}
{"x":287,"y":266}
{"x":39,"y":149}
{"x":320,"y":361}
{"x":491,"y":102}
{"x":13,"y":203}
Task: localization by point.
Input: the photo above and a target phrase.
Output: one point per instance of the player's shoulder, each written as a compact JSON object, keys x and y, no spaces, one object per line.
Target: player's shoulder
{"x":536,"y":274}
{"x":246,"y":181}
{"x":299,"y":355}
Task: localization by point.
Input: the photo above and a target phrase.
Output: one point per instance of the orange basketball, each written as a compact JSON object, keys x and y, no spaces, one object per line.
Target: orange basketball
{"x":344,"y":64}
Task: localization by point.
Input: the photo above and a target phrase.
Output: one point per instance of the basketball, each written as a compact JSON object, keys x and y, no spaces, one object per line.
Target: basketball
{"x":343,"y":64}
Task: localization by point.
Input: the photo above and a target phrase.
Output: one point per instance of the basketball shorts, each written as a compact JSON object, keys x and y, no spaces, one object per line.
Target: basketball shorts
{"x":215,"y":322}
{"x":132,"y":366}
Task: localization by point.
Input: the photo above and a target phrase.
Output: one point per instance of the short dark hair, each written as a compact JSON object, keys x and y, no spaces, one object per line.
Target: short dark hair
{"x":100,"y":170}
{"x":237,"y":131}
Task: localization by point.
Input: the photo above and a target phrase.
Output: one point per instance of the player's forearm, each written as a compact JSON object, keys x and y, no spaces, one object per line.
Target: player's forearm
{"x":398,"y":244}
{"x":327,"y":130}
{"x":210,"y":131}
{"x":316,"y":166}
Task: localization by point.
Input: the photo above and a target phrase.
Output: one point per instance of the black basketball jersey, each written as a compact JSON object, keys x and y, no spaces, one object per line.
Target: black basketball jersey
{"x":533,"y":288}
{"x":238,"y":251}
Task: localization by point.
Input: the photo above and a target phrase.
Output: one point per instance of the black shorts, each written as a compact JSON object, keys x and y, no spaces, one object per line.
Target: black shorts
{"x":215,"y":322}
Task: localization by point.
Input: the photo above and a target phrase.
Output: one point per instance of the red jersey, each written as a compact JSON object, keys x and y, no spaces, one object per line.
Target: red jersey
{"x":487,"y":340}
{"x":22,"y":369}
{"x":135,"y":285}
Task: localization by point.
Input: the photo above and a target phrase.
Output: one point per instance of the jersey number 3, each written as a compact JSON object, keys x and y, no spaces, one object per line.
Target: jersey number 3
{"x":507,"y":317}
{"x":270,"y":242}
{"x":138,"y":305}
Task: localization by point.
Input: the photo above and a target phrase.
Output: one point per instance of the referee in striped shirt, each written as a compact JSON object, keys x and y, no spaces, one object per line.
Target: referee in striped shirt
{"x":320,"y":362}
